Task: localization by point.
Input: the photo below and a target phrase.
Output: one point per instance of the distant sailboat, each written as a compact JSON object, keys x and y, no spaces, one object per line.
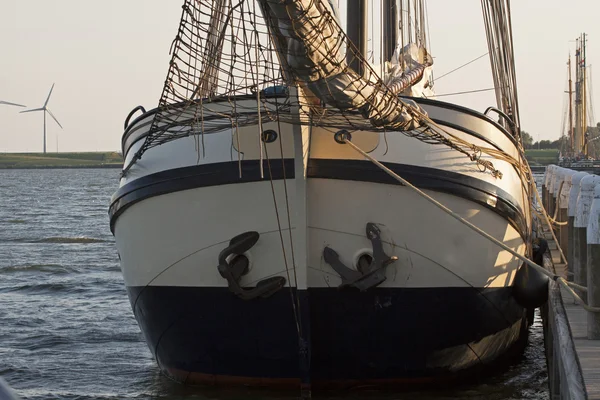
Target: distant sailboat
{"x":575,"y":151}
{"x":260,"y":247}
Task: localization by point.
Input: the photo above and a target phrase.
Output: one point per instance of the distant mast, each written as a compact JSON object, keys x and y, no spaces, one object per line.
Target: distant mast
{"x":584,"y":100}
{"x":580,"y":142}
{"x":571,"y":133}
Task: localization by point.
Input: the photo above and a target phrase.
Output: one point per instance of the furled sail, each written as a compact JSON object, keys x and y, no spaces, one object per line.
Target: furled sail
{"x":311,"y":39}
{"x":410,"y":71}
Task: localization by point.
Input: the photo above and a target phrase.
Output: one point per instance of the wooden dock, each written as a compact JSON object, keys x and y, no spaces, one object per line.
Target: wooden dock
{"x":588,"y":351}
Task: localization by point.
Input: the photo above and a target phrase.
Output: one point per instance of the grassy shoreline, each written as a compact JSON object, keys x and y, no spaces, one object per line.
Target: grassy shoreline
{"x":113,"y":159}
{"x":541,"y":157}
{"x":60,"y":160}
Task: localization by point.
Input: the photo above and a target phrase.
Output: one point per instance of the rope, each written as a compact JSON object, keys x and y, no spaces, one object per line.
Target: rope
{"x":553,"y":218}
{"x":462,"y":66}
{"x":223,"y":50}
{"x":465,"y":92}
{"x":498,"y":28}
{"x":558,"y":201}
{"x":547,"y":219}
{"x":287,"y":271}
{"x":470,"y":225}
{"x":287,"y":207}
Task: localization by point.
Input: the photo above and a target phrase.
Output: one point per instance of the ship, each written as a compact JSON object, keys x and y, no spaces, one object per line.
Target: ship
{"x":263,"y":230}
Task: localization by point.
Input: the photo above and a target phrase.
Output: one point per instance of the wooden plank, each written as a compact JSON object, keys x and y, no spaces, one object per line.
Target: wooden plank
{"x":588,"y":351}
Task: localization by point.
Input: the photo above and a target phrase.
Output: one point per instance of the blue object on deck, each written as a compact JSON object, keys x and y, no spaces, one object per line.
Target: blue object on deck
{"x":275,"y":90}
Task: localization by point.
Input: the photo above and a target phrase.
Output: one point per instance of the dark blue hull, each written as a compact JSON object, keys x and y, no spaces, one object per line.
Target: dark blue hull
{"x":207,"y":335}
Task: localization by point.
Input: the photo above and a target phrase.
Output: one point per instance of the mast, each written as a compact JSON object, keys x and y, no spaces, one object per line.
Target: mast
{"x":402,"y":28}
{"x":390,"y":29}
{"x":409,"y":23}
{"x":580,"y":145}
{"x":571,"y":133}
{"x":356,"y":25}
{"x":583,"y":101}
{"x":577,"y":136}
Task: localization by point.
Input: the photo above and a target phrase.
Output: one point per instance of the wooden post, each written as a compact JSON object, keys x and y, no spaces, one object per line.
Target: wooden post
{"x":549,"y":188}
{"x":556,"y":186}
{"x":582,"y":213}
{"x":545,"y":184}
{"x":593,"y":267}
{"x":572,"y":206}
{"x":552,"y":188}
{"x":563,"y":209}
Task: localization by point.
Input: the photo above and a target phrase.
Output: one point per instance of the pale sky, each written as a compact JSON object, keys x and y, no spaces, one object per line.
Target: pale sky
{"x":109,"y":56}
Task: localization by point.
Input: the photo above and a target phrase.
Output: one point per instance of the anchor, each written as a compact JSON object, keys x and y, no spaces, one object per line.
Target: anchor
{"x":366,"y":277}
{"x":234,"y":269}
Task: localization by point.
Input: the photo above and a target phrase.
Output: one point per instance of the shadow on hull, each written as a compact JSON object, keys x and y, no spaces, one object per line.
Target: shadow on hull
{"x":384,"y":337}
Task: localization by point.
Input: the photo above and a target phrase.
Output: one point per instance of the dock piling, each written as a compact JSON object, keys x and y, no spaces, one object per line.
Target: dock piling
{"x":582,"y":213}
{"x":593,"y":268}
{"x":545,"y":184}
{"x":563,"y":209}
{"x":571,"y":331}
{"x":572,"y":206}
{"x":551,"y":190}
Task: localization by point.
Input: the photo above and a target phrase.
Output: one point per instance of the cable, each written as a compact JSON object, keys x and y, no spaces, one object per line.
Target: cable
{"x":470,"y":225}
{"x":462,"y":66}
{"x":466,"y":92}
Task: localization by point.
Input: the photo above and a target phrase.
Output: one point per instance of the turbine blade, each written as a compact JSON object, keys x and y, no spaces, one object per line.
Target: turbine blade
{"x":35,"y":109}
{"x":53,"y":117}
{"x":49,"y":94}
{"x":11,"y":104}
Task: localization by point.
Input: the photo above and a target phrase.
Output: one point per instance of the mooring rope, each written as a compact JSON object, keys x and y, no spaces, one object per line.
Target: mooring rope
{"x":479,"y":231}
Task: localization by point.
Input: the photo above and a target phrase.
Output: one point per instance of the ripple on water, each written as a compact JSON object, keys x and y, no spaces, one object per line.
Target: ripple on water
{"x":36,"y":268}
{"x":57,"y":240}
{"x":67,"y":330}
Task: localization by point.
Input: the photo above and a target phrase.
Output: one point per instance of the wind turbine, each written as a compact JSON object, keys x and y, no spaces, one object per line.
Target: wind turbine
{"x":8,"y":103}
{"x":45,"y":109}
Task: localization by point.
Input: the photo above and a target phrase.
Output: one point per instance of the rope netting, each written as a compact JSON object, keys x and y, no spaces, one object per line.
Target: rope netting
{"x":234,"y":60}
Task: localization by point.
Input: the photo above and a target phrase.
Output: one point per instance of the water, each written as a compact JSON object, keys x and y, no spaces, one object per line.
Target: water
{"x":66,"y":327}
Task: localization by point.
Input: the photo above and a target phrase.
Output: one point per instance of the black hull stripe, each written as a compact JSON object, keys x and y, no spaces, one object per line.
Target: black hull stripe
{"x":226,"y":173}
{"x":383,"y":333}
{"x":197,"y":176}
{"x":435,"y":179}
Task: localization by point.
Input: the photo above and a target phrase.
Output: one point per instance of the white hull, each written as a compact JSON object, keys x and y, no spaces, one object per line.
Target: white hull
{"x":172,"y":237}
{"x":175,"y":248}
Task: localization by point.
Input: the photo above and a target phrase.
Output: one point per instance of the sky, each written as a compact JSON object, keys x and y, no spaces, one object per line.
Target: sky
{"x":108,"y":57}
